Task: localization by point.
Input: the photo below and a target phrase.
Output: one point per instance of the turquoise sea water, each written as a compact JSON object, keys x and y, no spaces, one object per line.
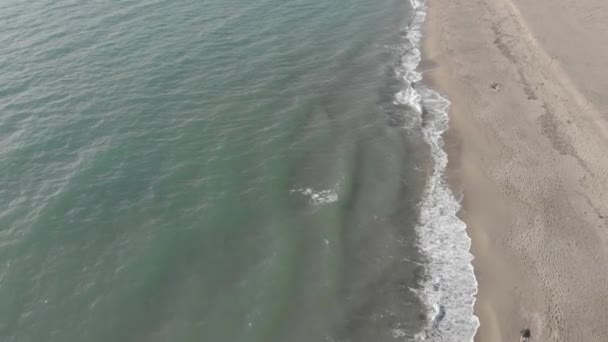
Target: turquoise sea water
{"x":208,"y":171}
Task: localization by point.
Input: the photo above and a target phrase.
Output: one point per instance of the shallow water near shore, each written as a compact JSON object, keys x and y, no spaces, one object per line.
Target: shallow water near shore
{"x":223,"y":171}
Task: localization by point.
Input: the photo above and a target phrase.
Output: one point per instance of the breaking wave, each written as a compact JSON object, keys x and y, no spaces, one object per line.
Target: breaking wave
{"x":449,"y":286}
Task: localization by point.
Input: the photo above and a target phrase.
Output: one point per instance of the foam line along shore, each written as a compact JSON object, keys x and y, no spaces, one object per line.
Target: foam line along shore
{"x":449,"y":286}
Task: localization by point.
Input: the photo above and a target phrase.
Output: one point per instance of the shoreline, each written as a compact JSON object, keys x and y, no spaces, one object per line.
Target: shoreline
{"x":449,"y":286}
{"x":527,"y":155}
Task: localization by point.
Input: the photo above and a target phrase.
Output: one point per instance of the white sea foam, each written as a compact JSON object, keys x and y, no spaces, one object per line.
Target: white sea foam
{"x":449,"y":286}
{"x":318,"y":197}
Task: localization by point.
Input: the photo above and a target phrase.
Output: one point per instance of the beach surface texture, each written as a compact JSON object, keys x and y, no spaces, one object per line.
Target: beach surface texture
{"x":528,"y":143}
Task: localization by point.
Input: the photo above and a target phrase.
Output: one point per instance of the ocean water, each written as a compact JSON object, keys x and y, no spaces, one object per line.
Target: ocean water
{"x":225,"y":170}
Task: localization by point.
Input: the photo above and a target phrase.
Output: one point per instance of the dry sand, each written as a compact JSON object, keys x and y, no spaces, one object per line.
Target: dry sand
{"x":531,"y":157}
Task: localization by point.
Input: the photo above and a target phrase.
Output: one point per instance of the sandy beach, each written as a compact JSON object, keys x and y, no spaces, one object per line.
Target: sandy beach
{"x":528,"y":142}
